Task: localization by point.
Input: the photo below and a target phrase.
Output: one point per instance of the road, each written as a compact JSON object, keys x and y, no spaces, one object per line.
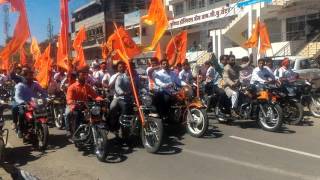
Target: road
{"x":239,"y":151}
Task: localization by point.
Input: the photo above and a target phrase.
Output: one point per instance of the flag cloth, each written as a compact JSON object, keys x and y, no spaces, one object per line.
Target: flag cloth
{"x":23,"y":58}
{"x":264,"y":38}
{"x":77,"y":45}
{"x":36,"y":53}
{"x":104,"y":50}
{"x":177,"y":48}
{"x":254,"y":39}
{"x":113,"y":46}
{"x":158,"y":52}
{"x":43,"y":75}
{"x":122,"y":43}
{"x":20,"y":35}
{"x":62,"y":53}
{"x":156,"y":15}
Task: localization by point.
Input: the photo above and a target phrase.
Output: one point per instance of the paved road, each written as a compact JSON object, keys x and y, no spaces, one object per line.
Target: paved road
{"x":238,"y":151}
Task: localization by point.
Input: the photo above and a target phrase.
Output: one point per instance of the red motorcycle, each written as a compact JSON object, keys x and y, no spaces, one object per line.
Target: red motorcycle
{"x":36,"y":118}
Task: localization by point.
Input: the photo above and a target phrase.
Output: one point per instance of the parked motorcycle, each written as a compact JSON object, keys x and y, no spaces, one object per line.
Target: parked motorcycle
{"x":309,"y":97}
{"x":56,"y":109}
{"x":93,"y":131}
{"x":190,"y":111}
{"x":259,"y":104}
{"x":151,"y":133}
{"x":36,"y":119}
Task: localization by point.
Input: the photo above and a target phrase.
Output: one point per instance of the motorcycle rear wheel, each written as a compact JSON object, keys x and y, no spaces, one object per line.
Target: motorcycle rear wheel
{"x":199,"y":123}
{"x":2,"y":150}
{"x":101,"y":145}
{"x":297,"y":110}
{"x":152,"y":134}
{"x":314,"y":107}
{"x":274,"y":119}
{"x":42,"y":136}
{"x":58,"y":118}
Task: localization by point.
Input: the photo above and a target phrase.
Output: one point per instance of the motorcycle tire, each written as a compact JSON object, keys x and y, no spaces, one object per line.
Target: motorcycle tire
{"x":314,"y":107}
{"x":298,"y":117}
{"x":276,"y":124}
{"x":58,"y":118}
{"x":199,"y":123}
{"x":153,"y":124}
{"x":42,"y":137}
{"x":101,"y":145}
{"x":2,"y":150}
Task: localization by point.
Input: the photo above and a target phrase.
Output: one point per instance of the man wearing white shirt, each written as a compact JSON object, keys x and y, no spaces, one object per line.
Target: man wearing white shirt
{"x":261,"y":74}
{"x":151,"y":70}
{"x":186,"y":74}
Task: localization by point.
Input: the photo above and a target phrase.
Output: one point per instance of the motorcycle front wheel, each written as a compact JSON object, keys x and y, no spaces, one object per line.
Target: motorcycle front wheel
{"x":197,"y":122}
{"x":101,"y":144}
{"x":42,"y":136}
{"x":58,"y":118}
{"x":293,"y":112}
{"x":314,"y":106}
{"x":151,"y":134}
{"x":270,"y":117}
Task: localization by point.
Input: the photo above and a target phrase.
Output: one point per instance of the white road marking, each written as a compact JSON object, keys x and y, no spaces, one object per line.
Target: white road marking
{"x":277,"y":147}
{"x":253,"y":166}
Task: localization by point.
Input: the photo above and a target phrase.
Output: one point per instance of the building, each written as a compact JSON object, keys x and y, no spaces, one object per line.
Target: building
{"x":98,"y":17}
{"x":222,"y":26}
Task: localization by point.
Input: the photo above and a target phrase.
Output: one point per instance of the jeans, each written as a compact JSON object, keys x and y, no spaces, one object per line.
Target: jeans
{"x":76,"y":116}
{"x":118,"y":107}
{"x":162,"y":102}
{"x":21,"y":118}
{"x":15,"y":112}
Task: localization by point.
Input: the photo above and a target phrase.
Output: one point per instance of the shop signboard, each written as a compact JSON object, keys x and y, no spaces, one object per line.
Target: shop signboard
{"x":251,"y":2}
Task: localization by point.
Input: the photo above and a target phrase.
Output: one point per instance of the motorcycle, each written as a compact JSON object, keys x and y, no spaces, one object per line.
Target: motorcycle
{"x":3,"y":132}
{"x":309,"y":97}
{"x":93,"y":132}
{"x":56,"y":109}
{"x":151,"y":133}
{"x":36,"y":119}
{"x":190,"y":111}
{"x":260,"y":104}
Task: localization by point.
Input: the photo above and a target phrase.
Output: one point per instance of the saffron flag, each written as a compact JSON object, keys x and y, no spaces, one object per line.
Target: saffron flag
{"x":157,"y":53}
{"x":23,"y":58}
{"x":254,"y":39}
{"x":104,"y":50}
{"x":264,"y":38}
{"x":112,"y":46}
{"x":156,"y":15}
{"x":43,"y":75}
{"x":36,"y":53}
{"x":77,"y":45}
{"x":20,"y":35}
{"x":62,"y":53}
{"x":177,"y":49}
{"x":123,"y":44}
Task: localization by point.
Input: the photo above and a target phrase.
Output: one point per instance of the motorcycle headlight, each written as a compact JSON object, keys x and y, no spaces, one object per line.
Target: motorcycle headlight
{"x":95,"y":110}
{"x":147,"y":100}
{"x":39,"y":102}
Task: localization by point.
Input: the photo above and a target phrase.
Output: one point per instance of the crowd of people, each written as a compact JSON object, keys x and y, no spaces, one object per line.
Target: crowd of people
{"x":221,"y":77}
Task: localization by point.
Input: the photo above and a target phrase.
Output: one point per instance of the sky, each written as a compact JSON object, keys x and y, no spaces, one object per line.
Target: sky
{"x":39,"y":11}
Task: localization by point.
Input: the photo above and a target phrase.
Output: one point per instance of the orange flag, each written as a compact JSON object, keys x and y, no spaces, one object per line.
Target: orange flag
{"x":35,"y":51}
{"x":254,"y":39}
{"x":23,"y":58}
{"x":123,"y":44}
{"x":104,"y":50}
{"x":77,"y":45}
{"x":156,"y":15}
{"x":43,"y":75}
{"x":20,"y":35}
{"x":177,"y":49}
{"x":158,"y":54}
{"x":264,"y":38}
{"x":62,"y":53}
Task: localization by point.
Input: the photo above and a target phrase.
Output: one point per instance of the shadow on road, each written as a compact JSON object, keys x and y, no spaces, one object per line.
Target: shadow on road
{"x":21,"y":155}
{"x":212,"y":132}
{"x":170,"y":146}
{"x":57,"y":141}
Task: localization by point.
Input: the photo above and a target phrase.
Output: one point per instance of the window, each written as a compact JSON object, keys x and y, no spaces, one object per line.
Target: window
{"x":202,"y":3}
{"x":296,"y":28}
{"x":192,"y":4}
{"x":178,"y":9}
{"x":214,"y":1}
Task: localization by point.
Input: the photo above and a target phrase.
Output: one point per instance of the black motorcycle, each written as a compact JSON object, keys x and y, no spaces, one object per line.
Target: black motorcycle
{"x":92,"y":131}
{"x":3,"y":132}
{"x":56,"y":109}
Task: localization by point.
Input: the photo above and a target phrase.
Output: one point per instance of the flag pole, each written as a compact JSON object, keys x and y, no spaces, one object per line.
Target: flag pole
{"x":126,"y":58}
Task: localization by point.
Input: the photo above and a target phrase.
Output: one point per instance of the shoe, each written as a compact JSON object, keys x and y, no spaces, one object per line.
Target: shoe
{"x":19,"y":134}
{"x":234,"y":114}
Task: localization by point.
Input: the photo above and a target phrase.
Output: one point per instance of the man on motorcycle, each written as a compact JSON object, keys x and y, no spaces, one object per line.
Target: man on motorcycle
{"x":151,"y":70}
{"x":186,"y":74}
{"x":78,"y":91}
{"x":122,"y":100}
{"x":261,"y":74}
{"x":246,"y":73}
{"x":285,"y":73}
{"x":231,"y":81}
{"x":165,"y":80}
{"x":24,"y":92}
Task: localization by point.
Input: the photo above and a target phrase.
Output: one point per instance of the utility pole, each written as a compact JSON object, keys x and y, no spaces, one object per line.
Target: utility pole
{"x":50,"y":30}
{"x":6,"y":22}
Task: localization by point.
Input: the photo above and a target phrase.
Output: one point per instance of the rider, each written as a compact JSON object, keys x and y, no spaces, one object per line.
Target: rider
{"x":231,"y":81}
{"x":24,"y":92}
{"x":246,"y":73}
{"x":186,"y":74}
{"x":79,"y":91}
{"x":151,"y":70}
{"x":165,"y":80}
{"x":285,"y":73}
{"x":261,"y":74}
{"x":122,"y":100}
